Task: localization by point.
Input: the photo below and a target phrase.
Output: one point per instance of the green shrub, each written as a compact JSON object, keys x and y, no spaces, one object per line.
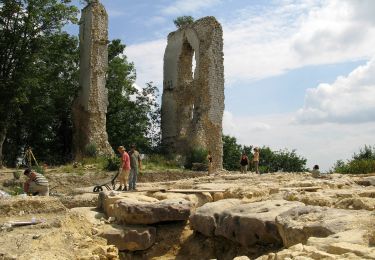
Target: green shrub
{"x":16,"y":190}
{"x":182,"y":21}
{"x":231,"y":153}
{"x":197,"y":155}
{"x":161,"y":162}
{"x":269,"y":161}
{"x":355,"y":167}
{"x":112,"y":163}
{"x":361,"y":163}
{"x":91,"y":150}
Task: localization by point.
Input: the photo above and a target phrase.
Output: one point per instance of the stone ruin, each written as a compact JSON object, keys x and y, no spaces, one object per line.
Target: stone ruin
{"x":90,"y":107}
{"x":193,"y":101}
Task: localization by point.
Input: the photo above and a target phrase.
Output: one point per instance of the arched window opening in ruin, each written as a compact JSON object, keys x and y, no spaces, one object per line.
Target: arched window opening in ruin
{"x":192,"y":110}
{"x":193,"y":65}
{"x":186,"y":62}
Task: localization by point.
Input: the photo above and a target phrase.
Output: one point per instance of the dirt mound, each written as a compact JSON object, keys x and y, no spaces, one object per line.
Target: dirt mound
{"x":23,"y":205}
{"x":66,"y":235}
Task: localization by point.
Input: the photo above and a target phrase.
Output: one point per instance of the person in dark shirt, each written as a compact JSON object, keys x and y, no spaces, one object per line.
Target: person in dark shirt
{"x":244,"y":162}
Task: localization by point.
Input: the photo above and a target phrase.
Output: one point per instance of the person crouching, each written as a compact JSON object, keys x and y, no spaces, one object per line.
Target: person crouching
{"x":36,"y":184}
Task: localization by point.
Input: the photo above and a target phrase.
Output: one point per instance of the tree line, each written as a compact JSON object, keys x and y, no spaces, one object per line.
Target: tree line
{"x":39,"y":71}
{"x":39,"y":80}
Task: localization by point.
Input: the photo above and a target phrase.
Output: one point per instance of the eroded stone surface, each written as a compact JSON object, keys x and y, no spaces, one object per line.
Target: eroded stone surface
{"x":204,"y":220}
{"x":90,"y":107}
{"x":129,"y":238}
{"x":193,"y":101}
{"x":298,"y":224}
{"x":253,"y":223}
{"x":197,"y":199}
{"x":137,"y":208}
{"x":245,"y":223}
{"x":136,"y":212}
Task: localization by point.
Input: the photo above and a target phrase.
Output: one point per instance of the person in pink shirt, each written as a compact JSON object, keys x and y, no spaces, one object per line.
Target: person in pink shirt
{"x":124,"y":167}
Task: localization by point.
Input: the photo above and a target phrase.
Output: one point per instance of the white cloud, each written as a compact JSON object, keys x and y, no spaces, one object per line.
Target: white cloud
{"x":276,"y":38}
{"x":231,"y":124}
{"x":183,"y":7}
{"x":148,"y":59}
{"x":349,"y":99}
{"x":321,"y":144}
{"x":293,"y":34}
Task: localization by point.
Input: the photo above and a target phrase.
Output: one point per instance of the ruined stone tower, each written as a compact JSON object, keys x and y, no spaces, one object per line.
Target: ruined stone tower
{"x":90,"y":107}
{"x":193,"y":102}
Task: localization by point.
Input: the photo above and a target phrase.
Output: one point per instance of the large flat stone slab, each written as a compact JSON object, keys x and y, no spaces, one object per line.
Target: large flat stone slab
{"x":130,"y":211}
{"x":245,"y":223}
{"x":106,"y":200}
{"x":204,"y":220}
{"x":298,"y":224}
{"x":253,"y":223}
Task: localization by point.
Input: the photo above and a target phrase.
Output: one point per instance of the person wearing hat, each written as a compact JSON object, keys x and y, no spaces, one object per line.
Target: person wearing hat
{"x":256,"y":160}
{"x":36,"y":184}
{"x":124,"y":167}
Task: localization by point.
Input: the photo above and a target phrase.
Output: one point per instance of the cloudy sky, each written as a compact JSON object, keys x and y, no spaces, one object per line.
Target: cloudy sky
{"x":298,"y":74}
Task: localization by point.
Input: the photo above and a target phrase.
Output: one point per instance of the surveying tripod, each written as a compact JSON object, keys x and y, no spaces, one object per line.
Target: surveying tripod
{"x":29,"y":156}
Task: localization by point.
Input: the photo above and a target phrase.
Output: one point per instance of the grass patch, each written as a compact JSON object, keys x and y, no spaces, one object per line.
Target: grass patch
{"x":157,"y":162}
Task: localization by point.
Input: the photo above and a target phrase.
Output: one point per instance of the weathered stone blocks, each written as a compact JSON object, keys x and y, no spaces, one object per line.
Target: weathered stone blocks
{"x":245,"y":223}
{"x":193,"y":101}
{"x":204,"y":220}
{"x":90,"y":107}
{"x":297,"y":225}
{"x":131,"y":212}
{"x":131,"y":208}
{"x":129,"y":238}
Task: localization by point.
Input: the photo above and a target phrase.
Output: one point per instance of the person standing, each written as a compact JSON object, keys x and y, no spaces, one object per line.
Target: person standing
{"x":209,"y":161}
{"x":124,"y":167}
{"x":135,"y":166}
{"x":36,"y":184}
{"x":244,"y":162}
{"x":256,"y":160}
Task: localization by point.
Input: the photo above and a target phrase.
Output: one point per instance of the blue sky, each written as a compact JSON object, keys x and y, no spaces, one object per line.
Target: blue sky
{"x":299,"y":74}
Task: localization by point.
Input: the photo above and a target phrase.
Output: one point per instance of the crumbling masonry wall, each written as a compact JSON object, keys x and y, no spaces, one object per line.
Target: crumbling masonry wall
{"x":193,"y":104}
{"x":90,"y":107}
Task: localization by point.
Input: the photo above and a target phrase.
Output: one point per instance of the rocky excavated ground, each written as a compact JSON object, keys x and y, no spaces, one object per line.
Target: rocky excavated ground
{"x":226,"y":216}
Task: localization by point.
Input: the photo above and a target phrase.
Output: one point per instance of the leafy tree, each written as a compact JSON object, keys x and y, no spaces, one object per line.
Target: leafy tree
{"x":24,"y":24}
{"x":248,"y":150}
{"x":45,"y":122}
{"x":133,"y":115}
{"x":270,"y":161}
{"x":361,"y":163}
{"x":282,"y":160}
{"x":231,"y":153}
{"x":365,"y":153}
{"x":196,"y":155}
{"x":181,"y":21}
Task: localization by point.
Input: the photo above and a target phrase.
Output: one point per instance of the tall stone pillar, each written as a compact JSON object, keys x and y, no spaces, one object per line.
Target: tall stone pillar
{"x":193,"y":100}
{"x":90,"y":107}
